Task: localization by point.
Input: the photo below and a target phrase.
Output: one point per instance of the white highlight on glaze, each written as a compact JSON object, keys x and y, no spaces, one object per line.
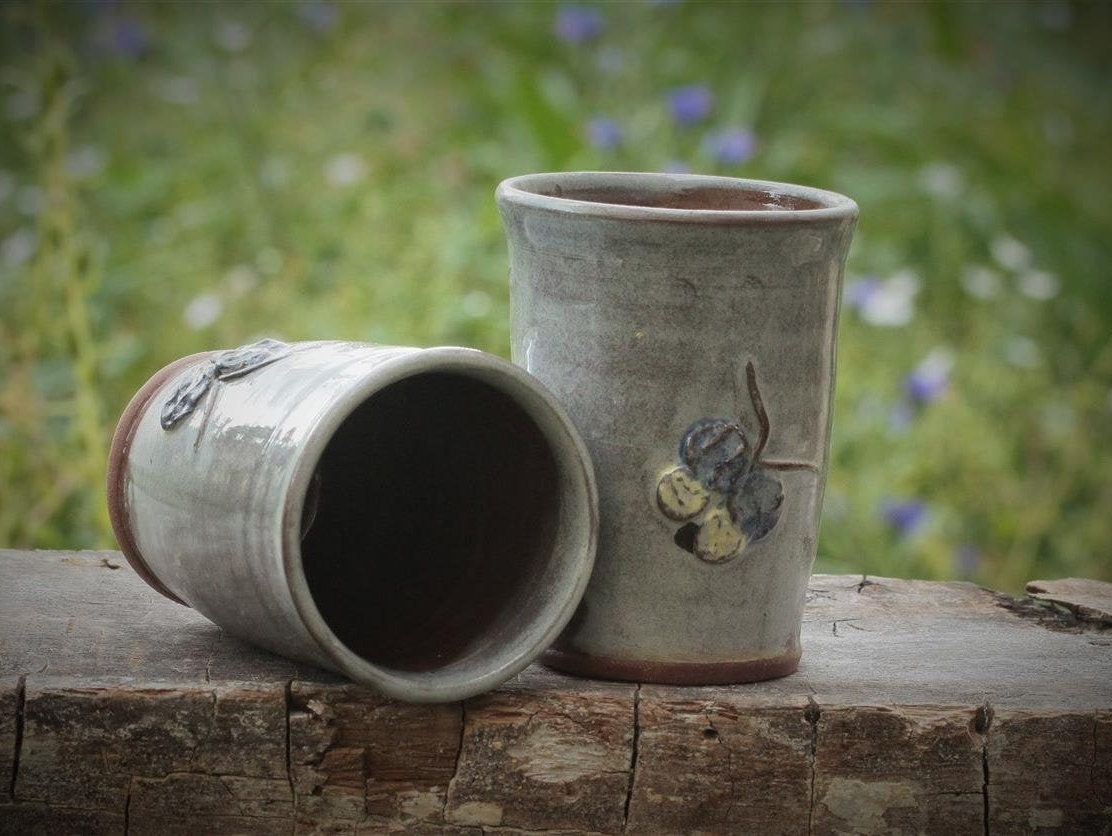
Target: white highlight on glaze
{"x":530,"y":341}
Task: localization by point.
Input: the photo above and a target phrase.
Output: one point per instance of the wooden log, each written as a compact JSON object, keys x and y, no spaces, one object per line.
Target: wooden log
{"x":919,"y":707}
{"x":1088,"y":600}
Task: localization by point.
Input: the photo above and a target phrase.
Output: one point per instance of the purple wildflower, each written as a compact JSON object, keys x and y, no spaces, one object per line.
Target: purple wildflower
{"x":732,"y":146}
{"x":929,"y":380}
{"x":318,"y":14}
{"x":578,"y":24}
{"x":924,"y":388}
{"x":604,"y":133}
{"x":904,"y":516}
{"x":889,"y":303}
{"x":859,"y":291}
{"x":690,"y":104}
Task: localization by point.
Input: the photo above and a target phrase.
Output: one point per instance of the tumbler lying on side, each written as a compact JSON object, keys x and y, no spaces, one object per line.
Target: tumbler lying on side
{"x":420,"y":520}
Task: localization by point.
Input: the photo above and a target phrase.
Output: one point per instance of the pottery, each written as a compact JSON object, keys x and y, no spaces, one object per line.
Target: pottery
{"x":688,"y":325}
{"x":420,"y":520}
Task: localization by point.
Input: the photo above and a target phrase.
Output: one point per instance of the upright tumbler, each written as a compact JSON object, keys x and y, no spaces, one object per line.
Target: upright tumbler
{"x":688,"y":325}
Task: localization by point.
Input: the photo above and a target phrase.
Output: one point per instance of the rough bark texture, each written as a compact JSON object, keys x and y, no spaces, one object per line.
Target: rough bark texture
{"x":919,"y":707}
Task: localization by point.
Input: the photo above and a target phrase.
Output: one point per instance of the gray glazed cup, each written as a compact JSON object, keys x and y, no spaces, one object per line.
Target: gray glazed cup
{"x":420,"y":520}
{"x":688,"y":324}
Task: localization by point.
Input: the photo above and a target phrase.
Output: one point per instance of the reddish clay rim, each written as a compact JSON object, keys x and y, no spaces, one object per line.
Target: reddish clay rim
{"x":672,"y":673}
{"x":117,"y":470}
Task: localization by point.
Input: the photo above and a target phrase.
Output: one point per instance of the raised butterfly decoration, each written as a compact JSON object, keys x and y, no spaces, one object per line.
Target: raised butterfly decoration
{"x":724,"y":490}
{"x":227,"y":365}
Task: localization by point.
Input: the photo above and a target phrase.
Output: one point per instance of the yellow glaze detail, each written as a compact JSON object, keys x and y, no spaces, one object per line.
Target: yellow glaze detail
{"x":718,"y":538}
{"x":680,"y":496}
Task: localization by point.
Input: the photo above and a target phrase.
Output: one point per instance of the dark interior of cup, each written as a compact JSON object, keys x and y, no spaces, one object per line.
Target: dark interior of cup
{"x":434,"y":519}
{"x":732,"y":199}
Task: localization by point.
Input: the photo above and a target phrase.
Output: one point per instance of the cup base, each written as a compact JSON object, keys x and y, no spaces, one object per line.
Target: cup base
{"x":117,"y":462}
{"x":671,"y":673}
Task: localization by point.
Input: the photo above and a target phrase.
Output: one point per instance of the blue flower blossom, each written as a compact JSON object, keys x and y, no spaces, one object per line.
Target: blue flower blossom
{"x":889,"y":303}
{"x":929,"y":380}
{"x":578,"y":24}
{"x":924,"y":388}
{"x":858,"y":292}
{"x":905,"y":516}
{"x":732,"y":146}
{"x":604,"y":133}
{"x":690,"y":104}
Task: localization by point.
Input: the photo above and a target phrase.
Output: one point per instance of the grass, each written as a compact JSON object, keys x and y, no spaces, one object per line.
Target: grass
{"x":181,"y":177}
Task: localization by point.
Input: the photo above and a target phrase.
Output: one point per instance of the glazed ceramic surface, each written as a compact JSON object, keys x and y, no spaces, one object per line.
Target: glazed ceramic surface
{"x":422,"y":521}
{"x":688,"y":324}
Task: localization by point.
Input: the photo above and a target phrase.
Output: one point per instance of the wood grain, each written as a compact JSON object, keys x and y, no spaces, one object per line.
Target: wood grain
{"x":919,"y":707}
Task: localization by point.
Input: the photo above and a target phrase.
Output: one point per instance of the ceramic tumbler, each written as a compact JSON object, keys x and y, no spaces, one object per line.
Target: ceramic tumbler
{"x":420,"y":520}
{"x":688,"y":324}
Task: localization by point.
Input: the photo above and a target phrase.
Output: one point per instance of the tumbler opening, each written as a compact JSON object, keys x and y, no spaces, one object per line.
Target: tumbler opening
{"x":678,"y":198}
{"x":735,"y":198}
{"x":434,"y":522}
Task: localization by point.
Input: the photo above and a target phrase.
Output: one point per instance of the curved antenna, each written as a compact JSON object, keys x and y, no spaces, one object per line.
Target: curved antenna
{"x":758,"y":407}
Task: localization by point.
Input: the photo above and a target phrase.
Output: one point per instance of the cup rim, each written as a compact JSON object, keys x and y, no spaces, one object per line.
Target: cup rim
{"x":575,"y":463}
{"x":533,"y":190}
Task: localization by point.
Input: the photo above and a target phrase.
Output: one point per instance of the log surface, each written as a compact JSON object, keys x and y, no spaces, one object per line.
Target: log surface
{"x":918,"y":707}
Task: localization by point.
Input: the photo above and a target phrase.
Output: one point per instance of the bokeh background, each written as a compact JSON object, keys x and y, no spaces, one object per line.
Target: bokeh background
{"x":177,"y":177}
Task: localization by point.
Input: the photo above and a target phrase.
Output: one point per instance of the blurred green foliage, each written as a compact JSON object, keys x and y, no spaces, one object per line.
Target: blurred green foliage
{"x":180,"y":177}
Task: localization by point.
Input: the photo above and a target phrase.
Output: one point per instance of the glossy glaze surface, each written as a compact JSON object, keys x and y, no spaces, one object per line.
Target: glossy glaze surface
{"x":226,"y":509}
{"x":651,"y":305}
